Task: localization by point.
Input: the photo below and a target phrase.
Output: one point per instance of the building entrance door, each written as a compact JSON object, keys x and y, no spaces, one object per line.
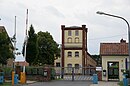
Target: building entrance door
{"x":113,"y":70}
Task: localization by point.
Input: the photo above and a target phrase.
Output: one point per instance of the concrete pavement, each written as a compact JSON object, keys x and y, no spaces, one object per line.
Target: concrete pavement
{"x":60,"y":83}
{"x":70,"y":83}
{"x":106,"y":83}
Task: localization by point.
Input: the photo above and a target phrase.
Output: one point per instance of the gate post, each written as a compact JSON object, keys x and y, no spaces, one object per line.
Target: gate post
{"x":72,"y":73}
{"x":62,"y":72}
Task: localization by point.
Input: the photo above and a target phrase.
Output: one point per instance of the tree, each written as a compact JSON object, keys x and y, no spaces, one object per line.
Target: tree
{"x":47,"y":47}
{"x":5,"y":48}
{"x":98,"y":59}
{"x":32,"y":48}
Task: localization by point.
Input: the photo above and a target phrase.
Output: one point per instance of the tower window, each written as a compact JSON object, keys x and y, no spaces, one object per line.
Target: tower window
{"x":76,"y":54}
{"x":76,"y":66}
{"x":69,"y":54}
{"x":69,"y":68}
{"x":69,"y":65}
{"x":76,"y":40}
{"x":69,"y":40}
{"x":76,"y":33}
{"x":69,"y":33}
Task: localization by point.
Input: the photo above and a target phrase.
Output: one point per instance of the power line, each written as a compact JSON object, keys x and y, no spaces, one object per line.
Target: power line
{"x":106,"y":37}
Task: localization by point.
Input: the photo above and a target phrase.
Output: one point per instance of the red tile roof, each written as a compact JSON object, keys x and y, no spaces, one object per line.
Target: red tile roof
{"x":114,"y":48}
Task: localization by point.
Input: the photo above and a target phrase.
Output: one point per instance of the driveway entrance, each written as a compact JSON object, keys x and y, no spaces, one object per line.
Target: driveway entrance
{"x":61,"y":83}
{"x":72,"y":73}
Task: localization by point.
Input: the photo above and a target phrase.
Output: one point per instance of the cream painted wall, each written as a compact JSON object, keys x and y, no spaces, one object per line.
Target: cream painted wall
{"x":120,"y":59}
{"x":73,"y":60}
{"x":73,"y":36}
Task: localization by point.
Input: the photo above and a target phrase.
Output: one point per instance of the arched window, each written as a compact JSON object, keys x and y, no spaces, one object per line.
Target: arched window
{"x":76,"y":54}
{"x":76,"y":40}
{"x":76,"y":66}
{"x":69,"y":40}
{"x":69,"y":65}
{"x":69,"y":68}
{"x":69,"y":54}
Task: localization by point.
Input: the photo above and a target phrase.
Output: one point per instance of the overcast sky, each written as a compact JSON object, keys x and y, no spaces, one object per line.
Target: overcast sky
{"x":49,"y":15}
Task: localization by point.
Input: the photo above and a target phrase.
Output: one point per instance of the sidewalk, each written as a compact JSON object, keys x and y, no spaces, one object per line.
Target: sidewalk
{"x":105,"y":83}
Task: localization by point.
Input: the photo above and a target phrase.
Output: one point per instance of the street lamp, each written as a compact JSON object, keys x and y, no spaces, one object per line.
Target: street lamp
{"x":102,"y":13}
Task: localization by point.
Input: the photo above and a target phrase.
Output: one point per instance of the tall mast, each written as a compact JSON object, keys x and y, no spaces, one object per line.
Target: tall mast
{"x":14,"y":40}
{"x":26,"y":38}
{"x":15,"y":35}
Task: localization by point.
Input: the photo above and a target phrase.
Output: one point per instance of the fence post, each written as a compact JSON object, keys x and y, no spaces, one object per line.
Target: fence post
{"x":72,"y":73}
{"x":62,"y":72}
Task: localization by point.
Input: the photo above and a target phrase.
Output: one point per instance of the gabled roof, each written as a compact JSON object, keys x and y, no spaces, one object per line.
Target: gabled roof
{"x":114,"y":48}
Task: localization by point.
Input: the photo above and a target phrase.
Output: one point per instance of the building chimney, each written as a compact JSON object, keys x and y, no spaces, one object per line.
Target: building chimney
{"x":84,"y":26}
{"x":122,"y":41}
{"x":62,"y":27}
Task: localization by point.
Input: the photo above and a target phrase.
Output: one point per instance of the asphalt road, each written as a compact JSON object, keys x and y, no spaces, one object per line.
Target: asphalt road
{"x":61,"y":83}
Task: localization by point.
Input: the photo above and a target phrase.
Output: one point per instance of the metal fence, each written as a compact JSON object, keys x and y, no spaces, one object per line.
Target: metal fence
{"x":56,"y":73}
{"x":62,"y":73}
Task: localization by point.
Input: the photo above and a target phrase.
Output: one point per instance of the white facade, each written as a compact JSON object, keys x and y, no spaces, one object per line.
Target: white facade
{"x":122,"y":65}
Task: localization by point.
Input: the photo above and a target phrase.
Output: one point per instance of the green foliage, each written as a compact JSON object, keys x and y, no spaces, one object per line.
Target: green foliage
{"x":7,"y":70}
{"x":41,"y":48}
{"x":120,"y":83}
{"x":5,"y":48}
{"x":32,"y":48}
{"x":98,"y":59}
{"x":6,"y":84}
{"x":47,"y":48}
{"x":53,"y":73}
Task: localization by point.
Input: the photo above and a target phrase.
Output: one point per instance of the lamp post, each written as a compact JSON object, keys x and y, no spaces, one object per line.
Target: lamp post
{"x":102,"y":13}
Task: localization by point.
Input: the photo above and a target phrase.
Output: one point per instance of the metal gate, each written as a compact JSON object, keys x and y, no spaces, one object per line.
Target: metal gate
{"x":72,"y":73}
{"x":62,"y":73}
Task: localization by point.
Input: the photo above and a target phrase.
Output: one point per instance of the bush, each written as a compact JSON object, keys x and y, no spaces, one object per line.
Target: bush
{"x":53,"y":73}
{"x":7,"y":71}
{"x":120,"y":83}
